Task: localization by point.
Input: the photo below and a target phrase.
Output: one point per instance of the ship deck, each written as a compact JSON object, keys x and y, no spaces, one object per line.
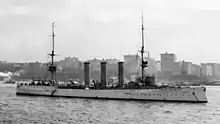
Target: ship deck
{"x":118,"y":88}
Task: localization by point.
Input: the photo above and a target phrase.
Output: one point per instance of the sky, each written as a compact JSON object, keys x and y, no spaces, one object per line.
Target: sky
{"x":109,"y":29}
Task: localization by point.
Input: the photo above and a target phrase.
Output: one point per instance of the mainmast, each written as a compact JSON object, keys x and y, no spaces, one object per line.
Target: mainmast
{"x":143,"y":63}
{"x":53,"y":35}
{"x":52,"y":67}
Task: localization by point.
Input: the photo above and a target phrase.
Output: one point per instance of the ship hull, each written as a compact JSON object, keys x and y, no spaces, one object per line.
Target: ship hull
{"x":196,"y":94}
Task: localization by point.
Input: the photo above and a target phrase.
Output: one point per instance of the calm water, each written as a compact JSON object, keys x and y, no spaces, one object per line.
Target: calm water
{"x":29,"y":110}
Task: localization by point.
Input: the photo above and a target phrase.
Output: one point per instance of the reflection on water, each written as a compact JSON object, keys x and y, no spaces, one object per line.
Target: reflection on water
{"x":23,"y":109}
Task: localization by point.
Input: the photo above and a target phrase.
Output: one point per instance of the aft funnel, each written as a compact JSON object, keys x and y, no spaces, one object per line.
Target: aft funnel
{"x":103,"y":73}
{"x":86,"y":73}
{"x":120,"y":73}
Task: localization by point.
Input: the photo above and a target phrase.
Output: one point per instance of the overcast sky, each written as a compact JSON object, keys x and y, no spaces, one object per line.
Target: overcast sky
{"x":109,"y":28}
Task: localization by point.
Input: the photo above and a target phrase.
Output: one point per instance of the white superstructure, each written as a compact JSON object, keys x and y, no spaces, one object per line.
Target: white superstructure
{"x":181,"y":94}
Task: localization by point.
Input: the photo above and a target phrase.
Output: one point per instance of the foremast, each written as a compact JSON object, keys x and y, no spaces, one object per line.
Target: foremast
{"x":52,"y":67}
{"x":143,"y":63}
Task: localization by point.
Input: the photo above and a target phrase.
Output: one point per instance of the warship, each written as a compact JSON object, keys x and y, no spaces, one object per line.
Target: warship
{"x":144,"y":89}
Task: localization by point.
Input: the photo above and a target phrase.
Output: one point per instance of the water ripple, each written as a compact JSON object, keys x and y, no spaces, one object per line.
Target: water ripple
{"x":45,"y":110}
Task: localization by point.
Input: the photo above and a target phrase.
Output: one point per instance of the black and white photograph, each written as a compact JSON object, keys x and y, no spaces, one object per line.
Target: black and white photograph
{"x":109,"y":62}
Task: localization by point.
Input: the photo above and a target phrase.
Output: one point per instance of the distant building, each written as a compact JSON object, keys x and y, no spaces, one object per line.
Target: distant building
{"x":26,"y":68}
{"x":132,"y":63}
{"x":195,"y":69}
{"x":68,"y":62}
{"x":112,"y":61}
{"x":215,"y":69}
{"x":167,"y":62}
{"x":34,"y":69}
{"x":206,"y":70}
{"x":95,"y":64}
{"x":177,"y":68}
{"x":152,"y":66}
{"x":186,"y":68}
{"x":112,"y":67}
{"x":158,"y":66}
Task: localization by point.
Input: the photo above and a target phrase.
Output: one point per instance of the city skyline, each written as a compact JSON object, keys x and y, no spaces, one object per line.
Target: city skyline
{"x":104,"y":59}
{"x":87,"y":29}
